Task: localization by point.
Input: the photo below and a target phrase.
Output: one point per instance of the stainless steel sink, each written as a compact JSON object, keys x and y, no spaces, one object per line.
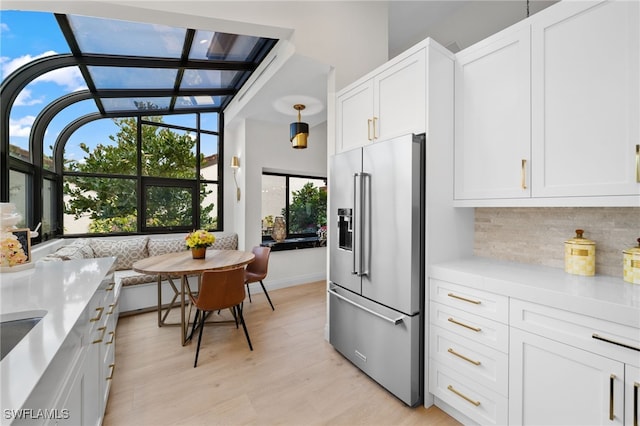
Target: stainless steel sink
{"x":12,"y":331}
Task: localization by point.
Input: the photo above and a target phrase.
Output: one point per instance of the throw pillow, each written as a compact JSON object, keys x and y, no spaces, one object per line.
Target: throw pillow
{"x":128,"y":250}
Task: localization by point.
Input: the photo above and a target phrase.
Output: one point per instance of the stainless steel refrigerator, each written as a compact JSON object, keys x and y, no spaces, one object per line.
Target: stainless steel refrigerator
{"x":376,"y":263}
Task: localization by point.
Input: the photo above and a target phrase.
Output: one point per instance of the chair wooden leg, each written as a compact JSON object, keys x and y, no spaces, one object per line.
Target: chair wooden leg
{"x":267,"y":294}
{"x":244,"y":326}
{"x":195,"y":363}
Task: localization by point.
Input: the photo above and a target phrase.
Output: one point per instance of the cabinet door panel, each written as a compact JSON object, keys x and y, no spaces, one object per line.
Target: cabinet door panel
{"x":400,"y":98}
{"x":492,"y":93}
{"x":554,"y":383}
{"x":354,"y":110}
{"x":632,"y":395}
{"x":585,"y":99}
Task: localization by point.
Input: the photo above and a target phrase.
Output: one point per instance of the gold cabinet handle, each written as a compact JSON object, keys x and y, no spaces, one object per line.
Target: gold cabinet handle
{"x":638,"y":163}
{"x":375,"y":121}
{"x":111,"y":308}
{"x":112,"y":368}
{"x":612,"y":378}
{"x":476,"y":329}
{"x":103,"y":330}
{"x":474,"y":362}
{"x":463,"y":396}
{"x":523,"y":174}
{"x":110,"y":287}
{"x":369,"y":129}
{"x":614,"y":342}
{"x":113,"y":337}
{"x":636,"y":385}
{"x":100,"y":310}
{"x":455,"y":296}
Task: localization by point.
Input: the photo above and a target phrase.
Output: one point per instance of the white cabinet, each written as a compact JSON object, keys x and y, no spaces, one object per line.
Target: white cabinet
{"x":632,"y":395}
{"x":564,"y":366}
{"x":552,"y":382}
{"x":575,"y":141}
{"x":492,"y":110}
{"x":388,"y":102}
{"x":75,"y":387}
{"x":585,"y":99}
{"x":468,"y":350}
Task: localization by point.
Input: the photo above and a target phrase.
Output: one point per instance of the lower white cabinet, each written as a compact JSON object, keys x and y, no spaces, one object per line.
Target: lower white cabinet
{"x":554,"y":383}
{"x":75,"y":388}
{"x":632,"y":395}
{"x":503,"y":349}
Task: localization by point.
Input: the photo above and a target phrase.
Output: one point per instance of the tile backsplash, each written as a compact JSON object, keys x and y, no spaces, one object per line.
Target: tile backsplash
{"x":537,"y":235}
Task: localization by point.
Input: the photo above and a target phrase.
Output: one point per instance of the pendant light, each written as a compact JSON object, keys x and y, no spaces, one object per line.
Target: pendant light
{"x":298,"y":131}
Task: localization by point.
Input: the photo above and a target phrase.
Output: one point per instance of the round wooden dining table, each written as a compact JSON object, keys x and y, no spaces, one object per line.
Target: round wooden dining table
{"x":182,"y":264}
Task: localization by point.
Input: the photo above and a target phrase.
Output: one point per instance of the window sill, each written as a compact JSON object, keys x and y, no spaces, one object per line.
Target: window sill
{"x":294,"y":243}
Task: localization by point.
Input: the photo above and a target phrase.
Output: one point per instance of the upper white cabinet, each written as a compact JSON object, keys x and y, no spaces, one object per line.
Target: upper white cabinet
{"x":492,"y":110}
{"x":548,"y":110}
{"x":389,"y":102}
{"x":585,"y":95}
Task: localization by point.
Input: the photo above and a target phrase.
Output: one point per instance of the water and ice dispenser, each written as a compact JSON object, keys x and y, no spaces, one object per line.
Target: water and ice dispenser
{"x":345,"y":229}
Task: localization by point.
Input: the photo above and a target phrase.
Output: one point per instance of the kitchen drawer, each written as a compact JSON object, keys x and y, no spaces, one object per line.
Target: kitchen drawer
{"x":480,"y":404}
{"x":479,"y":329}
{"x":479,"y":363}
{"x":489,"y":305}
{"x":614,"y":340}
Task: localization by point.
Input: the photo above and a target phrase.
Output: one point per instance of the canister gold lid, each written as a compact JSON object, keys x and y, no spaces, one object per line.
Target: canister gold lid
{"x":579,"y":239}
{"x":633,"y":250}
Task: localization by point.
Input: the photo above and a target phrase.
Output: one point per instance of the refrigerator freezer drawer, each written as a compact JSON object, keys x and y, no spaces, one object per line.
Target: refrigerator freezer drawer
{"x":381,"y":342}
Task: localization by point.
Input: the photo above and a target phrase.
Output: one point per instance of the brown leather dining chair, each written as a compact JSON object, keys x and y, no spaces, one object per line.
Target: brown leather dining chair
{"x":219,"y":290}
{"x":257,"y":270}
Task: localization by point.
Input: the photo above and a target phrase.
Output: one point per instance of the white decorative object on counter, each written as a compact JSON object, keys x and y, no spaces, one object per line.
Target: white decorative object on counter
{"x":631,"y":269}
{"x":580,"y":255}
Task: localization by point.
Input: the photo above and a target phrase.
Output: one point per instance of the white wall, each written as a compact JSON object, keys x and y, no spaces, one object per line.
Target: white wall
{"x":263,"y":146}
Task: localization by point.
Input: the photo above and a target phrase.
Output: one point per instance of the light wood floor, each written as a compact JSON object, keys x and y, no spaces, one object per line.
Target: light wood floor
{"x":292,"y":377}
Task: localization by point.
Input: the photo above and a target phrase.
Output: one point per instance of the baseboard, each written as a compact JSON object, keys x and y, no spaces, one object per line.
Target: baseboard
{"x":274,"y":284}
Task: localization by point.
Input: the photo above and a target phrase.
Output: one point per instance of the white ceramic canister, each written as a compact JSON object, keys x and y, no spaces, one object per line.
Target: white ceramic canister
{"x":580,"y":255}
{"x":631,"y":262}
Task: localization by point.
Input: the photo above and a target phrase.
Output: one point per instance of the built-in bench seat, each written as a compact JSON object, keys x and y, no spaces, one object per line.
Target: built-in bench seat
{"x":139,"y":291}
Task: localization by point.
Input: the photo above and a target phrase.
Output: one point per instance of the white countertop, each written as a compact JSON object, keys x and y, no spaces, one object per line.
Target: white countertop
{"x":599,"y":296}
{"x":63,"y":290}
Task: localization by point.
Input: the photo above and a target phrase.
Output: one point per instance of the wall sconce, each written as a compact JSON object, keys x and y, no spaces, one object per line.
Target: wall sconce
{"x":235,"y":165}
{"x":298,"y":131}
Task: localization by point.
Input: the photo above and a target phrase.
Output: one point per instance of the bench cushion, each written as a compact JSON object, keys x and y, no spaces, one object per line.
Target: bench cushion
{"x":127,"y":250}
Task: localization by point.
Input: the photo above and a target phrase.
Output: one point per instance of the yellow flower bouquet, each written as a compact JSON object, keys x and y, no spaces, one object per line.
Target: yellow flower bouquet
{"x":200,"y":239}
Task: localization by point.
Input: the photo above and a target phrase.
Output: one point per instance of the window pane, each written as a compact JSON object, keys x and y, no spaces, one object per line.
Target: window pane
{"x":308,"y":205}
{"x":90,"y":135}
{"x":208,"y":203}
{"x":209,"y":121}
{"x":19,"y":184}
{"x":135,"y":104}
{"x":273,"y":200}
{"x":103,"y":146}
{"x":99,"y":205}
{"x":133,"y":78}
{"x":168,"y":152}
{"x":209,"y":79}
{"x":168,"y":206}
{"x":209,"y":152}
{"x":101,"y":35}
{"x":223,"y":46}
{"x":48,"y":209}
{"x":198,"y":102}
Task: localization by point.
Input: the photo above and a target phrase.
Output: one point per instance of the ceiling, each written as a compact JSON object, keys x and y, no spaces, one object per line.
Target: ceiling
{"x":304,"y":80}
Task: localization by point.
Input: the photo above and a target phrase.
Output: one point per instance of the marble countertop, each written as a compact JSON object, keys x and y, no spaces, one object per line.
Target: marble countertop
{"x":60,"y":290}
{"x":603,"y":297}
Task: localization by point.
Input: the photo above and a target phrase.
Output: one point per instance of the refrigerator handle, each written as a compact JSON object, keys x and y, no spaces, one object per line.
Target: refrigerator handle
{"x":356,"y":253}
{"x":394,"y":321}
{"x":359,"y":224}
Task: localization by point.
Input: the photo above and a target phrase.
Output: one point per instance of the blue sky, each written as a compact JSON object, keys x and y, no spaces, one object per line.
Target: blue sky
{"x":24,"y":37}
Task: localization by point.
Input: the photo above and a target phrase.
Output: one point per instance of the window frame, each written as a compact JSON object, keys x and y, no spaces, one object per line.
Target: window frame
{"x":297,"y":240}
